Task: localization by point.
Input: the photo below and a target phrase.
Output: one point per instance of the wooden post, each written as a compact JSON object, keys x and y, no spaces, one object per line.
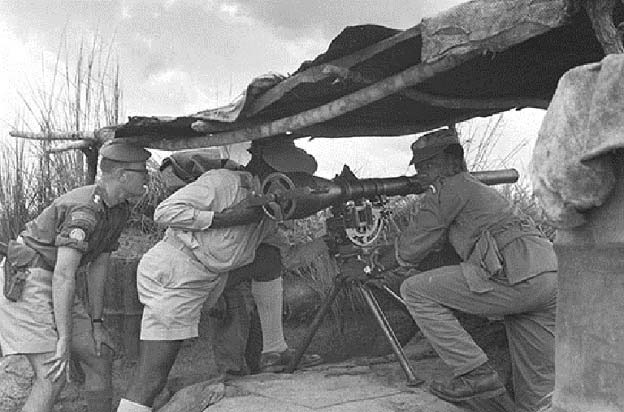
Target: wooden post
{"x":91,"y":155}
{"x":590,"y":313}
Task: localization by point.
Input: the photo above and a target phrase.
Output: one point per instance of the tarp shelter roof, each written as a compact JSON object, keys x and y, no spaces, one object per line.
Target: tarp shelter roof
{"x":476,"y":59}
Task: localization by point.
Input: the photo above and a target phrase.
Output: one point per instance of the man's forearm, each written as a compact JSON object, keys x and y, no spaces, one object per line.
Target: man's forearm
{"x":236,"y":217}
{"x":63,"y":289}
{"x":96,"y":280}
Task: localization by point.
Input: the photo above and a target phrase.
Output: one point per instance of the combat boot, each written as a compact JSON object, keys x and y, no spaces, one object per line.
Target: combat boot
{"x":482,"y":382}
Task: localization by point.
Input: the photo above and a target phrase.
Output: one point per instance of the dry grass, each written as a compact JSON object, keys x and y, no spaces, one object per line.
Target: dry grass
{"x":81,"y":91}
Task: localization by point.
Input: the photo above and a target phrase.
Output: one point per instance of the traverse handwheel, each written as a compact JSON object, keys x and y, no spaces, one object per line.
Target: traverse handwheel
{"x":279,"y":186}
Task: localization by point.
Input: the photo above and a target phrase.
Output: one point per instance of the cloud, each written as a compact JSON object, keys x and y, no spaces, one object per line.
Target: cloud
{"x":295,"y":19}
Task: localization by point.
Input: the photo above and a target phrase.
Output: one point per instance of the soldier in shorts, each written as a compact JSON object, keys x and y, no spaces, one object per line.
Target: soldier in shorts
{"x":209,"y":234}
{"x":47,"y":322}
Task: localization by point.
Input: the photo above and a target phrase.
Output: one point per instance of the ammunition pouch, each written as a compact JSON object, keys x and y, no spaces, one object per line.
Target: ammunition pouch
{"x":486,"y":255}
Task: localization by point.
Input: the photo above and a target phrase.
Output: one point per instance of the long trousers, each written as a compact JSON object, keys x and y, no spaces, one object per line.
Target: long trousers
{"x":528,"y":309}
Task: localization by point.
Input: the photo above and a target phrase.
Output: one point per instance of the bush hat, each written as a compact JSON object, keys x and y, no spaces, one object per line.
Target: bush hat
{"x":188,"y":165}
{"x":281,"y":154}
{"x":125,"y":153}
{"x":431,"y":144}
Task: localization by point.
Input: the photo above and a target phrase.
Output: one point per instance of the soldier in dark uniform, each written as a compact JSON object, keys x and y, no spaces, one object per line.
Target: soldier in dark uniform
{"x":508,"y":269}
{"x":46,"y":322}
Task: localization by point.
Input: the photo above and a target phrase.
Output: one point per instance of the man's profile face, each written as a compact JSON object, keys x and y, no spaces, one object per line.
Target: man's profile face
{"x":135,"y":181}
{"x":431,"y":168}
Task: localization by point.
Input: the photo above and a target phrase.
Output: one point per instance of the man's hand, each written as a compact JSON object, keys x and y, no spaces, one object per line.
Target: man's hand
{"x":241,"y":213}
{"x":59,"y":363}
{"x":101,"y":337}
{"x":354,"y":269}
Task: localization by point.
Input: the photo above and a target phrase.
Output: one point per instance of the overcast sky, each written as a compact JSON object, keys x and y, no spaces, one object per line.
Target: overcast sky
{"x":180,"y":56}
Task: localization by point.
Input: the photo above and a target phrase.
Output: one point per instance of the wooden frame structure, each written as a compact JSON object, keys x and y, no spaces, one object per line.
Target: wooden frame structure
{"x":476,"y":59}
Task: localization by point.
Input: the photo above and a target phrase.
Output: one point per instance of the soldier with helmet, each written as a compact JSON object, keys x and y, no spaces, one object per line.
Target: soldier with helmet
{"x":508,"y":270}
{"x":40,"y":315}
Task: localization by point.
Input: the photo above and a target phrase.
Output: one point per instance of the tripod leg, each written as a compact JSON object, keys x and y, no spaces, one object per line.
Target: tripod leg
{"x":412,"y":380}
{"x":316,"y":323}
{"x":394,"y":295}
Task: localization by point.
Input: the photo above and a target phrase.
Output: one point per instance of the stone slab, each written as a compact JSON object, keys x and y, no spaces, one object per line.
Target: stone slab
{"x":254,"y":403}
{"x":318,"y":389}
{"x":418,"y":401}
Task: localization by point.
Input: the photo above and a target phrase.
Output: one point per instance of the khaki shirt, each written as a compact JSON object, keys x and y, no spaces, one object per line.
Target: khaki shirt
{"x":459,"y":210}
{"x":79,"y":219}
{"x":188,"y":215}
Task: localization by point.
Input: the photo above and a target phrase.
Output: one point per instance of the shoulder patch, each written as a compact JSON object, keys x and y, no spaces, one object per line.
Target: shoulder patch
{"x":82,"y":216}
{"x":77,"y":234}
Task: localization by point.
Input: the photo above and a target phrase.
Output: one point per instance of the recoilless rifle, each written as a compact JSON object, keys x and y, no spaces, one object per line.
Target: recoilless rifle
{"x":358,"y":215}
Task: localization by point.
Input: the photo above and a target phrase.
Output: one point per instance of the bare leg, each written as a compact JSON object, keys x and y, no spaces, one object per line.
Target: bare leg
{"x":44,"y":392}
{"x":156,"y":358}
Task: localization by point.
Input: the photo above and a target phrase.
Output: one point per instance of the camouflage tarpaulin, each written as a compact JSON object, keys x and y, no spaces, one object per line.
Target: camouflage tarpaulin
{"x":480,"y":58}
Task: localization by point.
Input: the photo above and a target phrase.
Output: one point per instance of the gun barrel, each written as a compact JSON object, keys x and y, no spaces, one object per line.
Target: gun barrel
{"x":406,"y":185}
{"x":324,"y":193}
{"x":497,"y":177}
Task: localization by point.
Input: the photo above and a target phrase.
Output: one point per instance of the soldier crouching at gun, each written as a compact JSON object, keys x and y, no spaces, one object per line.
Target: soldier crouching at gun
{"x":508,"y":269}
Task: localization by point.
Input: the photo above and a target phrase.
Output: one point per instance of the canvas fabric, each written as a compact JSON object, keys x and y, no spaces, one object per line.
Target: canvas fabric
{"x":571,"y":168}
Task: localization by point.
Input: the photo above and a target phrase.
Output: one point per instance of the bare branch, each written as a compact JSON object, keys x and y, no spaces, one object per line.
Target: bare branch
{"x":84,"y":144}
{"x":89,"y":136}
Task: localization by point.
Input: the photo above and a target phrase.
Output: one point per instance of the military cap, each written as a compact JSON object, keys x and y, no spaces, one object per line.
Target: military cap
{"x":281,"y":154}
{"x":126,"y":153}
{"x":431,"y":144}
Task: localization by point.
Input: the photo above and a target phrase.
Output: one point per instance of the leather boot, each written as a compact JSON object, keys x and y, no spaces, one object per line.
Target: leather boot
{"x":482,"y":382}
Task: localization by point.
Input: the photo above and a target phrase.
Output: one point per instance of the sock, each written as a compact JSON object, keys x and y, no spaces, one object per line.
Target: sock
{"x":269,"y":297}
{"x":99,"y":401}
{"x":128,"y":406}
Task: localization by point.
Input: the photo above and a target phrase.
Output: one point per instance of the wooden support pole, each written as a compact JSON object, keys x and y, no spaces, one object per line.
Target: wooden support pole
{"x":393,"y":84}
{"x":89,"y":136}
{"x":318,"y":73}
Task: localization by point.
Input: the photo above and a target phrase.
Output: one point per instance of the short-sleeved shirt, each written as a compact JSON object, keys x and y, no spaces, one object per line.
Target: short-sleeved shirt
{"x":79,"y":219}
{"x":188,"y":214}
{"x":459,"y":210}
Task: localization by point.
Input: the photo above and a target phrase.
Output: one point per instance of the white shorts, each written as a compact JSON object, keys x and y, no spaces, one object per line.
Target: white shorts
{"x":27,"y":326}
{"x":173,"y":286}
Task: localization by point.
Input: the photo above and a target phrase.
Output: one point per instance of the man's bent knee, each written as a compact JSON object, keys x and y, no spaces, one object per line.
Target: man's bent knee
{"x":411,"y":289}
